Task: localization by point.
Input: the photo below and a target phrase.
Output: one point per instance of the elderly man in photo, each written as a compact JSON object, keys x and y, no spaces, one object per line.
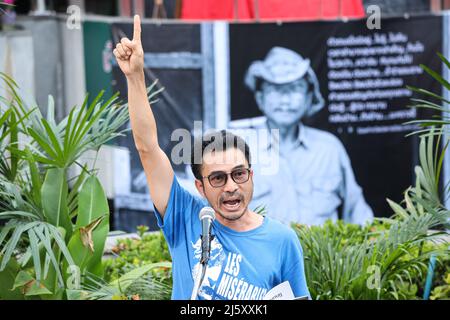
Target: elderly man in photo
{"x":314,"y":180}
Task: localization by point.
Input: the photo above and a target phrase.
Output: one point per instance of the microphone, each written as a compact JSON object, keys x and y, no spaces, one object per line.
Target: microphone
{"x":206,"y":216}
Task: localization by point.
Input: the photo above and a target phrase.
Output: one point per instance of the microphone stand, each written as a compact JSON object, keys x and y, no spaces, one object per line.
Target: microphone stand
{"x":200,"y":276}
{"x":198,"y":280}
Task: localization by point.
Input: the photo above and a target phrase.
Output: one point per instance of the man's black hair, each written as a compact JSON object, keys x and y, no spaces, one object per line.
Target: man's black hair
{"x":216,"y":141}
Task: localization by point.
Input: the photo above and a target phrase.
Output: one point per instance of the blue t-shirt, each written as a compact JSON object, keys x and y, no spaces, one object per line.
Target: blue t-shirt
{"x":242,"y":265}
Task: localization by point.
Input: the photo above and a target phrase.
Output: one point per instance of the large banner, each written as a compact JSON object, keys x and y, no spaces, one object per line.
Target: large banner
{"x":336,"y":92}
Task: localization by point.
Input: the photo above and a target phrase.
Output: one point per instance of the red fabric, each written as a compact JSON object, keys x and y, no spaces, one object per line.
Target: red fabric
{"x":271,"y":9}
{"x":216,"y":9}
{"x":310,"y":9}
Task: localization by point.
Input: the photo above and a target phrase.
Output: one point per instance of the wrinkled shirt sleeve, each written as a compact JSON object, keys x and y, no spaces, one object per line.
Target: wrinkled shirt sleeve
{"x":294,"y":269}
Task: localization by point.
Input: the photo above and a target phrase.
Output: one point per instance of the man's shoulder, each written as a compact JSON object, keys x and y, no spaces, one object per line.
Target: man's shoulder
{"x":322,"y":137}
{"x":184,"y":192}
{"x":280,"y":230}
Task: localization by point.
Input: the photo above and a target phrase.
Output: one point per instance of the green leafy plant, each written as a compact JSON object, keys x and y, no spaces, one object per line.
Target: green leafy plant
{"x":442,"y":291}
{"x":53,"y":234}
{"x":133,"y":253}
{"x":141,"y":230}
{"x":366,"y":262}
{"x":148,"y":253}
{"x":137,"y":284}
{"x":331,"y":269}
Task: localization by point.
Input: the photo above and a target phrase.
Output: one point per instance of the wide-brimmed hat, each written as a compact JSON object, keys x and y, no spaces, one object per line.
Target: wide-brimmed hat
{"x":281,"y":66}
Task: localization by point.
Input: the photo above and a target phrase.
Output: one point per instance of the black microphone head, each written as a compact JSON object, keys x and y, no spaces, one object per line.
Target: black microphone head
{"x":207,"y":213}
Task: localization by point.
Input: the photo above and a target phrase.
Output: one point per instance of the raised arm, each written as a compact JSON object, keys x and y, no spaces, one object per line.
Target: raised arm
{"x":157,"y":167}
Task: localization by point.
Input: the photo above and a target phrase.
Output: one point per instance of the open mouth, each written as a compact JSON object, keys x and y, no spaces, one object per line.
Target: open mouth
{"x":231,"y":205}
{"x":284,"y":111}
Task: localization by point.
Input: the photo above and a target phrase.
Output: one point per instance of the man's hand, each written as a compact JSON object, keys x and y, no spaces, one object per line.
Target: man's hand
{"x":129,"y":53}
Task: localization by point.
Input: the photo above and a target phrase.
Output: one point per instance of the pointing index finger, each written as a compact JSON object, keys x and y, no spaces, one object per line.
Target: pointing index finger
{"x":137,"y":28}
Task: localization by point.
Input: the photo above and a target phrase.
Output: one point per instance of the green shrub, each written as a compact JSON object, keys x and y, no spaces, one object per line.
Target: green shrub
{"x":342,"y":261}
{"x":441,"y":286}
{"x":132,"y":253}
{"x":332,"y":253}
{"x":51,"y":232}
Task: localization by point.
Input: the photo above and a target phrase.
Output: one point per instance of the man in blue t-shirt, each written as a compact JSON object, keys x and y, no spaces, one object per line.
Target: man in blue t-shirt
{"x":250,"y":254}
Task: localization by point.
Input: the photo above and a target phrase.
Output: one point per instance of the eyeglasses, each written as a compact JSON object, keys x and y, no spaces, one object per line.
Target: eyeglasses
{"x":220,"y":178}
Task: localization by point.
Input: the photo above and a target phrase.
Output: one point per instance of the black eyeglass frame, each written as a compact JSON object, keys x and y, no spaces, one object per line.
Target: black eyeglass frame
{"x":226,"y":176}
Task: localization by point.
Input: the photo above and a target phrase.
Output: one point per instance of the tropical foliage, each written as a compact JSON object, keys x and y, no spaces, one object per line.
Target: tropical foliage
{"x":55,"y":225}
{"x":130,"y":253}
{"x":141,"y":283}
{"x":326,"y":272}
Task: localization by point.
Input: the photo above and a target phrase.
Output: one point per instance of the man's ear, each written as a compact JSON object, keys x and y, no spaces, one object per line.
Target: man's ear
{"x":251,"y":175}
{"x":200,"y":188}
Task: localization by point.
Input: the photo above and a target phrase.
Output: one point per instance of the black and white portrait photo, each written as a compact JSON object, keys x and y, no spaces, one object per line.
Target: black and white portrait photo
{"x":314,"y":177}
{"x":328,"y":102}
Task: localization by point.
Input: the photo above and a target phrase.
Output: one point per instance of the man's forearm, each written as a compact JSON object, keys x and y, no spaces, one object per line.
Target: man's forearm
{"x":157,"y":167}
{"x":143,"y":123}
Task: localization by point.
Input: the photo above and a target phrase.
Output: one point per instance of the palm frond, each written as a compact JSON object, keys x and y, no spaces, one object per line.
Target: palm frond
{"x":137,"y":282}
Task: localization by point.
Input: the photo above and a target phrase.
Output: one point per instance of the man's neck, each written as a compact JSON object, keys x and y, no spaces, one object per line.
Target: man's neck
{"x":286,"y":133}
{"x":288,"y":136}
{"x":250,"y":220}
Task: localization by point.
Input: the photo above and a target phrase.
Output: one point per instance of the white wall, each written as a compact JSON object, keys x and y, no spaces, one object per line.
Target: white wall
{"x":17,"y":59}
